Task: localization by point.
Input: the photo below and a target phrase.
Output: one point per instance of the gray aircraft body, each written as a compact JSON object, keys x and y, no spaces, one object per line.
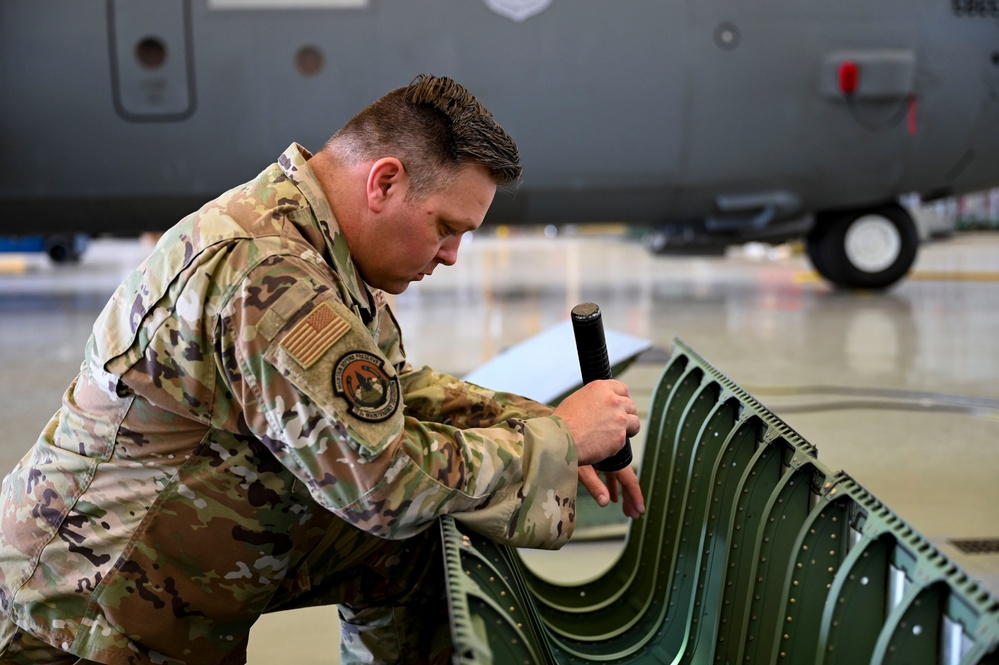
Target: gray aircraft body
{"x":711,"y":120}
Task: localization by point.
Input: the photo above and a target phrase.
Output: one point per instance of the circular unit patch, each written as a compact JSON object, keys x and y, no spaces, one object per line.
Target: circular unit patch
{"x":360,"y":378}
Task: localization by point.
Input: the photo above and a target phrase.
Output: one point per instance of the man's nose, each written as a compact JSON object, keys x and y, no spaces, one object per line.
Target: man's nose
{"x":448,"y":252}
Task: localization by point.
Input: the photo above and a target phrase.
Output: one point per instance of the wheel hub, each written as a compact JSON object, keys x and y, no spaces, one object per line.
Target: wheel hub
{"x":873,"y":243}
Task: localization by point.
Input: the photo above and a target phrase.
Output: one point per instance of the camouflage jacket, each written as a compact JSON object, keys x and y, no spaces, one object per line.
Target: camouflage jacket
{"x":243,"y":387}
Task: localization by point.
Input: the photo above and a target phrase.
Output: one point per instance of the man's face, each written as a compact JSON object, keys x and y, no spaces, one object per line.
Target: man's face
{"x":407,"y":240}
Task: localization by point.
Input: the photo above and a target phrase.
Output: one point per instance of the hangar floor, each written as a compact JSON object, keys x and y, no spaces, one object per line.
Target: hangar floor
{"x":898,"y":388}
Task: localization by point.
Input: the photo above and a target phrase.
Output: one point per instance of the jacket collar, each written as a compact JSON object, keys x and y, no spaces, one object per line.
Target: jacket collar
{"x":294,"y":164}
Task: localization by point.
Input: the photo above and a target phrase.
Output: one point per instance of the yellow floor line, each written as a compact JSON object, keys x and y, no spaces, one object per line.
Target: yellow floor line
{"x":806,"y":277}
{"x":810,"y":276}
{"x":951,"y":276}
{"x":13,"y":265}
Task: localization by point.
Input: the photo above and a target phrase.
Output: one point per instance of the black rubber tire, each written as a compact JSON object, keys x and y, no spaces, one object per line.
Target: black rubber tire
{"x":61,"y":249}
{"x":828,"y":251}
{"x":64,"y":249}
{"x":816,"y":246}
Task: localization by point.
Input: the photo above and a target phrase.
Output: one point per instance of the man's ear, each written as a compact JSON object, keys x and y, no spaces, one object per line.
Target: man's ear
{"x":386,"y":180}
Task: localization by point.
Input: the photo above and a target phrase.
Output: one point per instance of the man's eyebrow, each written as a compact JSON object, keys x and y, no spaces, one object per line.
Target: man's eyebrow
{"x":463,"y":225}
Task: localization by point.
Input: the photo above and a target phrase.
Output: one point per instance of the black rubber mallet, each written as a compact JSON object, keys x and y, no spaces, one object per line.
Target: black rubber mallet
{"x":594,"y":364}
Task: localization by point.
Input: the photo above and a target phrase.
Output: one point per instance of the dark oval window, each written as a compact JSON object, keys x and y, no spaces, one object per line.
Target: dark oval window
{"x":151,"y":53}
{"x":309,"y":60}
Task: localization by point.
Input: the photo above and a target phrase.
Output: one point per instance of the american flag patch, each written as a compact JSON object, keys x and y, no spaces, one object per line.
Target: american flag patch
{"x":310,"y":339}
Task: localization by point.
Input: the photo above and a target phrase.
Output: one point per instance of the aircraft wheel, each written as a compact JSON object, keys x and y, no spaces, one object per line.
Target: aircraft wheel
{"x":654,"y":241}
{"x":64,"y":248}
{"x":869,"y":249}
{"x":816,"y":246}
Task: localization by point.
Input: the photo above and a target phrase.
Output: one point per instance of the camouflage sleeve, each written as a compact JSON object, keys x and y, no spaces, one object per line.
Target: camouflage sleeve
{"x":307,"y":378}
{"x":439,"y":397}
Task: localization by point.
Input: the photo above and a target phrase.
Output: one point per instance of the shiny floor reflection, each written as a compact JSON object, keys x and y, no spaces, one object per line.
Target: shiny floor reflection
{"x":898,"y":388}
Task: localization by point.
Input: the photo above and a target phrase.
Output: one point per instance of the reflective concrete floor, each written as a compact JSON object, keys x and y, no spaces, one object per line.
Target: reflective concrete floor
{"x":900,"y":389}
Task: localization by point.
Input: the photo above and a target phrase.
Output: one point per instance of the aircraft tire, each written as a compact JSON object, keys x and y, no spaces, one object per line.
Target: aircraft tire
{"x":864,"y":249}
{"x":63,"y":248}
{"x":655,"y":242}
{"x":818,"y":248}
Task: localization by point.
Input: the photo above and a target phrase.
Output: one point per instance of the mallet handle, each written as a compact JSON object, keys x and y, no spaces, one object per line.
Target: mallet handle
{"x":594,"y":365}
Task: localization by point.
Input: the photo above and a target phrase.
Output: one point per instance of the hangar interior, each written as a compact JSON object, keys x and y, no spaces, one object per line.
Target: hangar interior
{"x":898,"y":387}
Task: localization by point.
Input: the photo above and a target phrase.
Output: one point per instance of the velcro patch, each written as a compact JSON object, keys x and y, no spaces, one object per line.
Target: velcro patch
{"x":314,"y":335}
{"x":371,"y":394}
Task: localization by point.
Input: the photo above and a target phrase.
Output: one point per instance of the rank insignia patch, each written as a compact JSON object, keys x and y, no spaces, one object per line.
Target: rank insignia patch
{"x":310,"y":339}
{"x":360,"y":378}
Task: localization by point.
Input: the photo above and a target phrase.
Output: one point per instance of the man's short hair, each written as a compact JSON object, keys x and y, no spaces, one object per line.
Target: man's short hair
{"x":433,"y":126}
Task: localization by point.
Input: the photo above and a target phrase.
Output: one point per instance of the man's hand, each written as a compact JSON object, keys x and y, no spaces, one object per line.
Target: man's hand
{"x":600,"y":416}
{"x":634,"y":503}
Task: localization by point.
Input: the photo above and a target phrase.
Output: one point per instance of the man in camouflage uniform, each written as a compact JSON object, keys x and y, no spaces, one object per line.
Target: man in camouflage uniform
{"x":246,"y":435}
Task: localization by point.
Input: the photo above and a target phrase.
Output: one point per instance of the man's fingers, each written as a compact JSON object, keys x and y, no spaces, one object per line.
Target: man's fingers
{"x":613,"y":486}
{"x":634,"y":425}
{"x":619,"y":387}
{"x":599,"y":416}
{"x":620,"y":485}
{"x":634,"y":502}
{"x":591,"y":481}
